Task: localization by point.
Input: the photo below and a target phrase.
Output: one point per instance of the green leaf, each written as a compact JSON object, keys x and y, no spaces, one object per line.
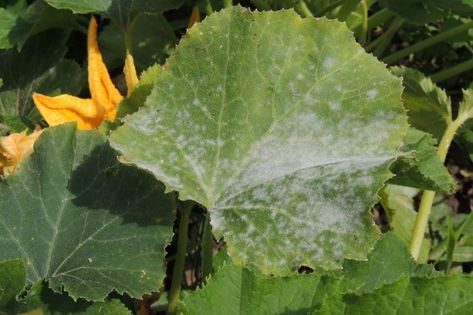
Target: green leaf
{"x":37,"y":68}
{"x":12,"y":281}
{"x":235,"y":290}
{"x":421,"y":167}
{"x":150,"y":38}
{"x":466,"y":105}
{"x":429,"y":107}
{"x":421,"y":12}
{"x":21,"y":22}
{"x":441,"y":295}
{"x":7,"y":23}
{"x":118,"y":10}
{"x":270,"y":134}
{"x":140,"y":92}
{"x":82,"y":221}
{"x":398,"y":202}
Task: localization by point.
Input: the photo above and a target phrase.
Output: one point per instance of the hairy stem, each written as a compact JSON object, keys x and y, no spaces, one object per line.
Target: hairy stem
{"x":428,"y":42}
{"x":364,"y":22}
{"x":452,"y":71}
{"x":175,"y":291}
{"x":425,"y":207}
{"x":376,"y":19}
{"x":227,"y":3}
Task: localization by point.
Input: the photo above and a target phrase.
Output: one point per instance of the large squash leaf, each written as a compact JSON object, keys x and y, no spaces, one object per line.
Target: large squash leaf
{"x":360,"y":288}
{"x":282,"y":127}
{"x":82,"y":221}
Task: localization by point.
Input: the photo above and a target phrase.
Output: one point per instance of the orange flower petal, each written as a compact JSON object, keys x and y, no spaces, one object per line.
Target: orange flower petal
{"x":101,"y":86}
{"x":15,"y":148}
{"x":66,"y":108}
{"x":129,"y":70}
{"x":195,"y":16}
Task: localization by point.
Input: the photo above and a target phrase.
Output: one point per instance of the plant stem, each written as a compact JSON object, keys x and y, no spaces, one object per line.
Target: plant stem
{"x":175,"y":291}
{"x":227,"y":3}
{"x":452,"y":71}
{"x":425,"y":207}
{"x":347,"y":8}
{"x":364,"y":23}
{"x":375,"y":20}
{"x":302,"y":9}
{"x":207,"y":247}
{"x":329,"y":7}
{"x":427,"y":42}
{"x":387,"y":37}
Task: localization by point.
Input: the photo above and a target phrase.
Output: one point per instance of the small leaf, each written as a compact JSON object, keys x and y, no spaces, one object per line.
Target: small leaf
{"x":421,"y":167}
{"x":273,"y":135}
{"x":82,"y":221}
{"x":429,"y":108}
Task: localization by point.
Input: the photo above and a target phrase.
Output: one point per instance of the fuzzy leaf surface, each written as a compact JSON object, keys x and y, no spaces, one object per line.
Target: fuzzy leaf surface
{"x":83,"y":221}
{"x":273,"y":123}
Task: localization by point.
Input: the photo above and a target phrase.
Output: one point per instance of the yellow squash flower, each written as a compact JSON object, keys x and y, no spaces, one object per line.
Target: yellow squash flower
{"x":88,"y":113}
{"x":14,"y":149}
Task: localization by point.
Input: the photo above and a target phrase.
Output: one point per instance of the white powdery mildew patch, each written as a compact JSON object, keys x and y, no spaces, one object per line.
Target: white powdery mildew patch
{"x":303,"y":180}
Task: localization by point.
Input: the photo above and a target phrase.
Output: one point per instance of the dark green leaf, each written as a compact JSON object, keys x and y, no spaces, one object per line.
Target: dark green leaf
{"x":118,"y":10}
{"x":37,"y":68}
{"x":83,"y":221}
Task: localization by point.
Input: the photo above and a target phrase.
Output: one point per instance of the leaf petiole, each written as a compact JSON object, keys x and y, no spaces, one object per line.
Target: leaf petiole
{"x":175,"y":291}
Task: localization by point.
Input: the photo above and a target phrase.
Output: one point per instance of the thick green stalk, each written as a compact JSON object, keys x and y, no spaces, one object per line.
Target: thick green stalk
{"x":428,"y":42}
{"x":177,"y":274}
{"x":425,"y":207}
{"x":376,"y":19}
{"x":207,"y":247}
{"x":385,"y":39}
{"x":383,"y":44}
{"x":347,"y":8}
{"x":227,"y":3}
{"x":302,"y":9}
{"x":452,"y":71}
{"x":364,"y":23}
